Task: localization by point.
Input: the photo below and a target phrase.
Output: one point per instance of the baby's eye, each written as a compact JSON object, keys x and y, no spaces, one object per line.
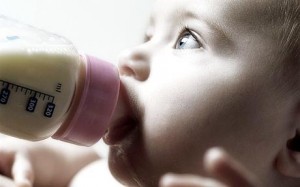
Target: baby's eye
{"x":187,"y":41}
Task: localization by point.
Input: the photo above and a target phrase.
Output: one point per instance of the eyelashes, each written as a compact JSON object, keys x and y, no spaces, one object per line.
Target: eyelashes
{"x":185,"y":39}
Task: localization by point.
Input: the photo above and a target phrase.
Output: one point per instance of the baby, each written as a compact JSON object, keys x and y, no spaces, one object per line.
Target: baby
{"x":217,"y":73}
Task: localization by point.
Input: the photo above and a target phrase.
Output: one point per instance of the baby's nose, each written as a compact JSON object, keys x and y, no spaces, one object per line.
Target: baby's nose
{"x":135,"y":63}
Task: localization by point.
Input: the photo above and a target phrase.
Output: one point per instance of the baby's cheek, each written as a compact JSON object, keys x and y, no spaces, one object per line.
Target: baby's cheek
{"x":169,"y":139}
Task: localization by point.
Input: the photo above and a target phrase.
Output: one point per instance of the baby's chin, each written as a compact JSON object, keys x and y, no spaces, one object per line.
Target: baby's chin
{"x":138,"y":174}
{"x":121,"y":167}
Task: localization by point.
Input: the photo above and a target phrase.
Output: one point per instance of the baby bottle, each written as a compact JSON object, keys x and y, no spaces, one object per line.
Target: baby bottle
{"x":48,"y":89}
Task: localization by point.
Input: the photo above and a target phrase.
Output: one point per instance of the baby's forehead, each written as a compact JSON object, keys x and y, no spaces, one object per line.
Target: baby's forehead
{"x":231,"y":17}
{"x":238,"y":11}
{"x":251,"y":11}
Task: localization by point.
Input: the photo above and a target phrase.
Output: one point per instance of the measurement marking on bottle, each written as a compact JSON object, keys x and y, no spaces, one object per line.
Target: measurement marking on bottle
{"x":32,"y":101}
{"x":49,"y":110}
{"x":58,"y":87}
{"x":31,"y":104}
{"x":4,"y":95}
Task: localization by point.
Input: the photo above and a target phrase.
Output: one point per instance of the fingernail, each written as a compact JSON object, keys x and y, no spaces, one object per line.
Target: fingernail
{"x":167,"y":180}
{"x":214,"y":154}
{"x":214,"y":157}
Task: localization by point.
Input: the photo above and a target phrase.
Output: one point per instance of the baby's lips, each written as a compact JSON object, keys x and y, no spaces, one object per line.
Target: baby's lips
{"x":119,"y":130}
{"x":124,"y":119}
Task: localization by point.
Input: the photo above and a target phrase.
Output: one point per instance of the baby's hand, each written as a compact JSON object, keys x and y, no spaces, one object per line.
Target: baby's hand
{"x":15,"y":164}
{"x":226,"y":172}
{"x":45,"y":163}
{"x":7,"y":182}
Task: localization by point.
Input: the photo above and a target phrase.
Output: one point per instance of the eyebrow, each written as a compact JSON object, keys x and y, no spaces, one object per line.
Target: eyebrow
{"x":189,"y":14}
{"x":213,"y":25}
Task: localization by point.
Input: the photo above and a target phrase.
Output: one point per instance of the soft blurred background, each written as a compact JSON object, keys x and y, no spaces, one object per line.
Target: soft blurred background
{"x":99,"y":27}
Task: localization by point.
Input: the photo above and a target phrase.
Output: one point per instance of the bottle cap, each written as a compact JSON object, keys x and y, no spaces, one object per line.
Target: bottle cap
{"x":97,"y":103}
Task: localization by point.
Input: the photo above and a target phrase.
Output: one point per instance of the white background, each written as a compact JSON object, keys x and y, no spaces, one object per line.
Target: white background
{"x":98,"y":27}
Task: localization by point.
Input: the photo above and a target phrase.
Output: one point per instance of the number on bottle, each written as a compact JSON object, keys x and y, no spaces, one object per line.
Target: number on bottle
{"x":31,"y":104}
{"x":4,"y":96}
{"x":49,"y":110}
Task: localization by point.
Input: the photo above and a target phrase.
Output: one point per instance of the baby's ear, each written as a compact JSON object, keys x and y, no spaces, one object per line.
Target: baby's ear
{"x":288,"y":160}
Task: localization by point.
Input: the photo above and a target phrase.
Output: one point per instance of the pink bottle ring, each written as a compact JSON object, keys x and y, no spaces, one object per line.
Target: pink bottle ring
{"x":96,"y":106}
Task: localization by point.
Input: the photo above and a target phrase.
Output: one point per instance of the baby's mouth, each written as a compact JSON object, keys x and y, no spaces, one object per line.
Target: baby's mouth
{"x":124,"y":120}
{"x":119,"y":130}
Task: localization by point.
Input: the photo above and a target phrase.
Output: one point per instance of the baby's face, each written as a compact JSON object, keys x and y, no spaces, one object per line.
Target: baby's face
{"x":203,"y":78}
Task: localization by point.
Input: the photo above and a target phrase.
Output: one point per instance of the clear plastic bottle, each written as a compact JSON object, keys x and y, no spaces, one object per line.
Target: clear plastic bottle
{"x":48,"y":89}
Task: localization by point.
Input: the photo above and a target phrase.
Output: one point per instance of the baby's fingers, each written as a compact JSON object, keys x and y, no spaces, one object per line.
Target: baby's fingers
{"x":227,"y":170}
{"x":5,"y":182}
{"x":22,"y":171}
{"x":174,"y":180}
